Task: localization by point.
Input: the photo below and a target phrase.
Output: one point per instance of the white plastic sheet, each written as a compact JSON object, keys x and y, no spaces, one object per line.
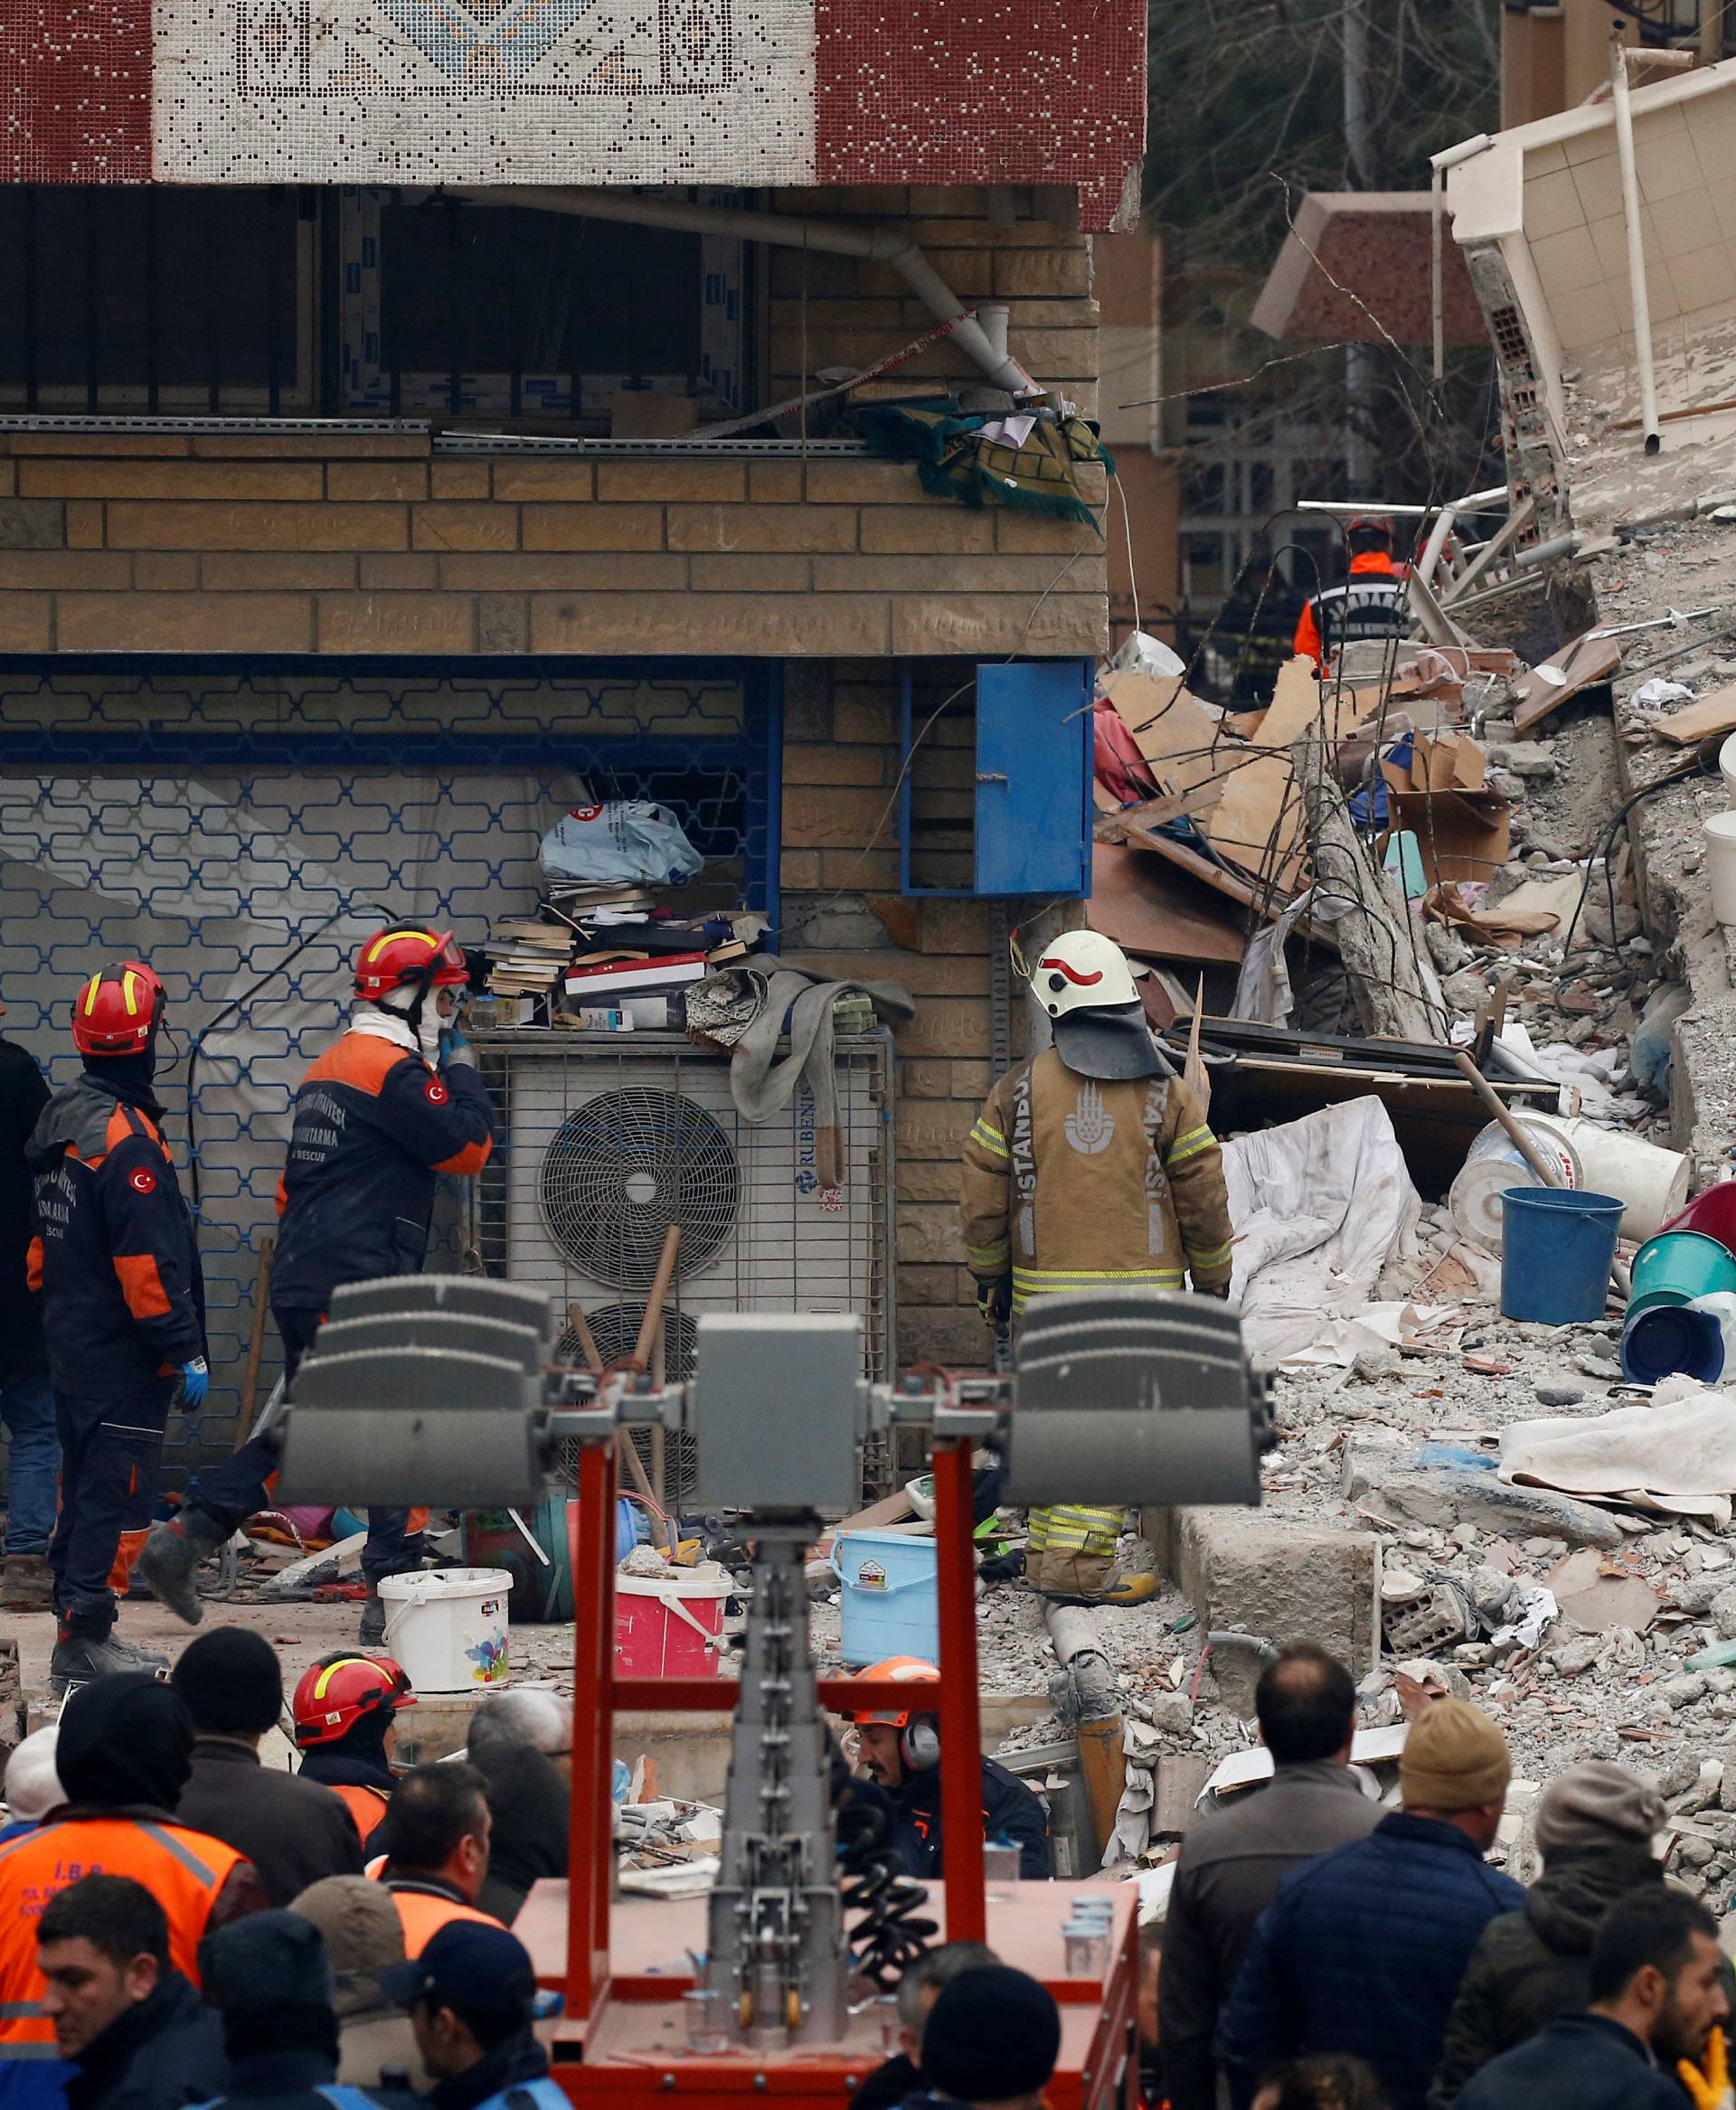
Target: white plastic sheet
{"x":1676,"y":1458}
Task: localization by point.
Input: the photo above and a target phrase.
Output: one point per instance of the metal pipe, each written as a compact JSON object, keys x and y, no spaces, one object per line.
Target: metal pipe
{"x":1437,"y":265}
{"x":1472,"y":501}
{"x":961,"y":1735}
{"x":827,"y":237}
{"x":1437,"y":543}
{"x":1635,"y":242}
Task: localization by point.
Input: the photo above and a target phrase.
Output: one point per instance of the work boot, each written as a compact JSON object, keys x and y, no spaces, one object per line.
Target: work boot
{"x":372,"y":1630}
{"x":26,"y":1583}
{"x":1128,"y":1589}
{"x":79,"y":1659}
{"x":170,"y":1557}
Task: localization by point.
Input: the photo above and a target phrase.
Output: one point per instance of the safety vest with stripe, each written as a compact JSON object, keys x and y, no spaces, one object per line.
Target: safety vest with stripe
{"x":1070,"y":1527}
{"x":184,"y":1871}
{"x":366,"y":1806}
{"x":422,"y":1913}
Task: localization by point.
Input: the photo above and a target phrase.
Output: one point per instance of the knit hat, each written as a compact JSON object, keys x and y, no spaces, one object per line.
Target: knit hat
{"x":993,"y":2034}
{"x":125,"y":1741}
{"x":269,"y":1975}
{"x":1455,"y":1758}
{"x":1598,"y":1803}
{"x":232,"y":1682}
{"x":33,"y":1786}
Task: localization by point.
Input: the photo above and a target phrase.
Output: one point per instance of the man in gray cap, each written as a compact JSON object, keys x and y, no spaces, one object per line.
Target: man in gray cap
{"x":1594,"y":1829}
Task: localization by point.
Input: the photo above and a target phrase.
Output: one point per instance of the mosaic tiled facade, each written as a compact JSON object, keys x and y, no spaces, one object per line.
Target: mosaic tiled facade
{"x":758,"y":92}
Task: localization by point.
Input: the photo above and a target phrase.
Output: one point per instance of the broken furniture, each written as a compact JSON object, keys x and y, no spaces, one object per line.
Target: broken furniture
{"x":1118,"y":1395}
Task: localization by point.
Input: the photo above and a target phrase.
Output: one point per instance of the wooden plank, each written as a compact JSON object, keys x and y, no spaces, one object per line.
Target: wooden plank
{"x":1714,"y":714}
{"x":1581,"y":664}
{"x":1181,"y":1775}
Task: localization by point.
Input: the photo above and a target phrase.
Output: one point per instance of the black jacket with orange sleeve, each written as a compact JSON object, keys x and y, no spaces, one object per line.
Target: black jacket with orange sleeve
{"x":114,"y":1255}
{"x":374,"y":1129}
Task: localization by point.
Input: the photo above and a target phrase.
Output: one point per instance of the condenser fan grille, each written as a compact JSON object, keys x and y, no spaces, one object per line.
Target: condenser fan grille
{"x":625,"y":1166}
{"x":615,"y":1328}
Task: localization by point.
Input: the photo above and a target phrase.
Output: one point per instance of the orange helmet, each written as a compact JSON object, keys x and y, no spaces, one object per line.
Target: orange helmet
{"x":899,"y":1671}
{"x":117,"y":1010}
{"x":334,"y":1693}
{"x":409,"y":959}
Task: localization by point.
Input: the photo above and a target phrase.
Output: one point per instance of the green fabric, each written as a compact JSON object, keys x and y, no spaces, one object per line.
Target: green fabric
{"x":956,"y":460}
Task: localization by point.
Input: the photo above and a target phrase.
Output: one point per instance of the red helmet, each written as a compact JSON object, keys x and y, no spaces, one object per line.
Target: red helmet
{"x":117,"y":1010}
{"x":334,"y":1693}
{"x":899,"y":1671}
{"x":409,"y":959}
{"x":1369,"y":523}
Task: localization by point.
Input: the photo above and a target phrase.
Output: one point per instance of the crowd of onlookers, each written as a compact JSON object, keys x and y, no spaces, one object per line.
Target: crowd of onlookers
{"x":181,"y":1923}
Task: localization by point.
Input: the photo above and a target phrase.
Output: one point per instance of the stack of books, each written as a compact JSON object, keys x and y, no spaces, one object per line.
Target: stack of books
{"x":612,"y":958}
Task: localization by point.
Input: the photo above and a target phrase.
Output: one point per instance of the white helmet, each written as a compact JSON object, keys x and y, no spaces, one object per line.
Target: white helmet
{"x":1083,"y":981}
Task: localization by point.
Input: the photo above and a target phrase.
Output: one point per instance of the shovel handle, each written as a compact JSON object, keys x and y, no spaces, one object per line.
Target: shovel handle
{"x":1548,"y":1173}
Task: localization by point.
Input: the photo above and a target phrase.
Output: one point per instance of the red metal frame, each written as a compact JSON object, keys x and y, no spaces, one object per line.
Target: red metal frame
{"x":598,"y":1694}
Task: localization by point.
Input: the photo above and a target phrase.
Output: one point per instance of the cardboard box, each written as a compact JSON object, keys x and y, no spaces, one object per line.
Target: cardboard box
{"x":1463,"y":831}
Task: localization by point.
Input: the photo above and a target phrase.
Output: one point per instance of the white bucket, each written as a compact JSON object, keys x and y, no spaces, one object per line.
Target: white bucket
{"x":1651,"y":1180}
{"x":1727,"y":767}
{"x":1720,"y":832}
{"x":1495,"y":1164}
{"x":448,"y":1627}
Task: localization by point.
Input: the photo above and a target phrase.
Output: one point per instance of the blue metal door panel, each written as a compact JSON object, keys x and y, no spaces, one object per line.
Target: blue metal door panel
{"x":1034,"y":734}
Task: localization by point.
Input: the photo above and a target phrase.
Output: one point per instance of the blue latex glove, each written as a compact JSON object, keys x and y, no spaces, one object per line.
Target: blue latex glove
{"x":453,"y":1048}
{"x":196,"y":1381}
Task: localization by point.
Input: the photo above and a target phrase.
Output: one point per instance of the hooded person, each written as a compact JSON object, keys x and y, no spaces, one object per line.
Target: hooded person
{"x":122,"y":1306}
{"x":1594,"y":1828}
{"x":123,"y":1754}
{"x":1091,"y":1167}
{"x":271,"y":1979}
{"x":33,"y":1787}
{"x":376,"y":2047}
{"x":391,"y":1106}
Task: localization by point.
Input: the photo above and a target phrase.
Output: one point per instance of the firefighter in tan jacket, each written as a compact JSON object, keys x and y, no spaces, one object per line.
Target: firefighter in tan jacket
{"x":1091,"y":1166}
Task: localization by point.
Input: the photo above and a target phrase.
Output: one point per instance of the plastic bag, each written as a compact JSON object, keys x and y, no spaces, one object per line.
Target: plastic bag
{"x":625,"y":842}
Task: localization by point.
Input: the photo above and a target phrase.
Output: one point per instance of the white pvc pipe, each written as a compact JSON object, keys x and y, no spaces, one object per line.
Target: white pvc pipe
{"x":1636,"y":245}
{"x":827,"y":237}
{"x":1472,"y":501}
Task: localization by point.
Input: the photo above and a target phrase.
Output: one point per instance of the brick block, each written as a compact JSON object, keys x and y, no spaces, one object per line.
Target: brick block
{"x":864,"y":871}
{"x":662,"y":479}
{"x":919,"y":1285}
{"x":269,"y":570}
{"x":939,"y":526}
{"x":815,"y":816}
{"x":1024,"y":577}
{"x":450,"y":480}
{"x":406,"y":573}
{"x":957,"y":1028}
{"x":520,"y":479}
{"x":486,"y":525}
{"x":84,"y":518}
{"x":185,"y":622}
{"x":397,"y":622}
{"x":937,"y":1334}
{"x":863,"y":715}
{"x":578,"y":572}
{"x":758,"y":574}
{"x":931,"y":1233}
{"x":312,"y":446}
{"x":144,"y":524}
{"x":503,"y":622}
{"x":785,"y":625}
{"x":774,"y":483}
{"x":1022,"y":532}
{"x":926,"y":1079}
{"x":592,"y":527}
{"x":999,"y":623}
{"x":1255,"y":1573}
{"x":863,"y":483}
{"x":955,"y":926}
{"x":159,"y":571}
{"x":9,"y":477}
{"x":761,"y":527}
{"x":382,"y":480}
{"x":32,"y":524}
{"x":800,"y":868}
{"x":1056,"y":355}
{"x":25,"y":620}
{"x":927,"y":1180}
{"x":898,"y":917}
{"x":171,"y":479}
{"x":807,"y":704}
{"x":835,"y":764}
{"x":49,"y":569}
{"x":1042,"y":274}
{"x":109,"y":445}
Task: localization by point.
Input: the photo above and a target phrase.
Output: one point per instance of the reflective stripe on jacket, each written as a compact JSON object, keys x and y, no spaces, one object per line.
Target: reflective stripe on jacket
{"x":184,"y":1871}
{"x":1075,"y":1528}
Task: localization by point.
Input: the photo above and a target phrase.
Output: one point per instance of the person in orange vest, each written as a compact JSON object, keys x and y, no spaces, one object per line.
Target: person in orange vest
{"x":123,"y":1754}
{"x":1372,"y":602}
{"x":345,"y":1708}
{"x":436,"y":1837}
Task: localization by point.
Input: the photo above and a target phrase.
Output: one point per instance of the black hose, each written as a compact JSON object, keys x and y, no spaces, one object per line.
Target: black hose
{"x":886,"y":1939}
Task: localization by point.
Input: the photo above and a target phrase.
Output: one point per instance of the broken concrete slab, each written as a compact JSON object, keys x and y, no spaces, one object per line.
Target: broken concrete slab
{"x":1598,"y":1596}
{"x":1441,"y":1485}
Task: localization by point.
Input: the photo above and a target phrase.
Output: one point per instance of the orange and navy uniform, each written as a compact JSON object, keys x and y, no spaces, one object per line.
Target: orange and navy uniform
{"x":374,"y":1127}
{"x":424,"y":1909}
{"x":1011,"y":1811}
{"x":366,"y":1806}
{"x":185,"y":1871}
{"x":114,"y":1256}
{"x":1370,"y":603}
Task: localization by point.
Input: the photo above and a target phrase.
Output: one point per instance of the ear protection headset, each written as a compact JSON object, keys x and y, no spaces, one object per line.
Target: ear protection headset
{"x":918,"y":1744}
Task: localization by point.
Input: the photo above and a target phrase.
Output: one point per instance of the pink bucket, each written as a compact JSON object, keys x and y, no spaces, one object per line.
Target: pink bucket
{"x":670,"y":1626}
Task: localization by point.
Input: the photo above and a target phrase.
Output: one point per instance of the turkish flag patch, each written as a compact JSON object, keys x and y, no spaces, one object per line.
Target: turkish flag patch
{"x":142,"y":1181}
{"x":437,"y":1094}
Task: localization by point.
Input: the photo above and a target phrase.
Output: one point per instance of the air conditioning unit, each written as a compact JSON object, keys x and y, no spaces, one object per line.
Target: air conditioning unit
{"x":610,"y":1142}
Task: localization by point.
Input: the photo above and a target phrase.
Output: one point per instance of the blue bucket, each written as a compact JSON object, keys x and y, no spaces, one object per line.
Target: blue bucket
{"x":1558,"y":1245}
{"x":1670,"y":1340}
{"x":892,"y":1596}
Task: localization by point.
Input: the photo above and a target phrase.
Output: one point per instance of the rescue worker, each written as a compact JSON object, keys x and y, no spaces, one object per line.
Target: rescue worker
{"x":437,"y":1846}
{"x":899,"y":1746}
{"x":1091,"y":1167}
{"x":393,"y":1105}
{"x":344,"y":1709}
{"x":1372,"y":602}
{"x":123,"y":1304}
{"x":124,"y":1755}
